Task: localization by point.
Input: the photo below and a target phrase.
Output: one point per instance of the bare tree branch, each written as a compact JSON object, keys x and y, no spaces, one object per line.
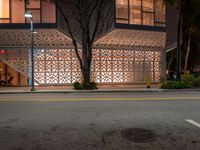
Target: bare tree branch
{"x":83,"y":20}
{"x":56,"y":3}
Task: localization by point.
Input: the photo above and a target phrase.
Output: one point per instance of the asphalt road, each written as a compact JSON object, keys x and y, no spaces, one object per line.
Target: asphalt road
{"x":95,"y":121}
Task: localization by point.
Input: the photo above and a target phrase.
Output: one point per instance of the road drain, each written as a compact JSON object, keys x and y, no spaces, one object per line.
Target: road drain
{"x":138,"y":135}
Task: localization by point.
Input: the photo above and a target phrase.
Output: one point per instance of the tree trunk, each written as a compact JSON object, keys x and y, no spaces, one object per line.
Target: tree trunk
{"x":86,"y":70}
{"x":170,"y":64}
{"x":187,"y":54}
{"x":179,"y":40}
{"x":87,"y":59}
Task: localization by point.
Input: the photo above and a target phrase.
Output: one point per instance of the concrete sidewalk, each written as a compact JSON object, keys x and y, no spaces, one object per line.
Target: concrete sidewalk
{"x":15,"y":90}
{"x":69,"y":89}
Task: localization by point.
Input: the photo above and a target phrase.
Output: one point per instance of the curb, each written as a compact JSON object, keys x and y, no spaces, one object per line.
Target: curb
{"x":75,"y":91}
{"x":99,"y":91}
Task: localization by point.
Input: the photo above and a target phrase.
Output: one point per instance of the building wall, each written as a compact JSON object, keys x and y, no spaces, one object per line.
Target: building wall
{"x":106,"y":21}
{"x":171,"y":26}
{"x":133,"y":56}
{"x":12,"y":11}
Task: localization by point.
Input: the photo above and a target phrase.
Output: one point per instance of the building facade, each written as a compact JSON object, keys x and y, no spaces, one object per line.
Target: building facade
{"x":129,"y":51}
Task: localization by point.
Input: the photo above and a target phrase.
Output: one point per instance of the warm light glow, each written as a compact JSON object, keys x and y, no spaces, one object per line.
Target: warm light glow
{"x":17,"y":11}
{"x":12,"y":11}
{"x":122,"y":2}
{"x":1,"y":51}
{"x":60,"y":66}
{"x":1,"y":8}
{"x":140,"y":12}
{"x":57,"y":66}
{"x":4,"y":9}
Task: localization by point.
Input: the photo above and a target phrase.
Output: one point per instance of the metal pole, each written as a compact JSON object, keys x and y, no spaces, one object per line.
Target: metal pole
{"x":32,"y":55}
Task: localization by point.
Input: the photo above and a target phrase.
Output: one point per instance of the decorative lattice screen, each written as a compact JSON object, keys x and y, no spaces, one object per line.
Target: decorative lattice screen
{"x":60,"y":66}
{"x":121,"y":56}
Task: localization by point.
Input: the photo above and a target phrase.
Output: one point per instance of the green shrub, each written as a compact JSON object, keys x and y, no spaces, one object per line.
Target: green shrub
{"x":77,"y":86}
{"x":89,"y":86}
{"x":188,"y":79}
{"x":93,"y":85}
{"x":175,"y":85}
{"x":85,"y":86}
{"x":197,"y":82}
{"x":196,"y":75}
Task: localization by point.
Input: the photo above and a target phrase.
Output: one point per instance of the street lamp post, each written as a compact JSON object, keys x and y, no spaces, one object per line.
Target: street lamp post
{"x":30,"y":16}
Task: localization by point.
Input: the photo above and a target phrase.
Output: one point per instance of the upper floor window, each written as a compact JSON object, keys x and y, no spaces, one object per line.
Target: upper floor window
{"x":141,"y":12}
{"x":12,"y":11}
{"x":4,"y":11}
{"x":122,"y":10}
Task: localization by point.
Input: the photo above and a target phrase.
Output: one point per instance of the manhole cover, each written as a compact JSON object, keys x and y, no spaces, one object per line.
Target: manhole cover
{"x":138,"y":135}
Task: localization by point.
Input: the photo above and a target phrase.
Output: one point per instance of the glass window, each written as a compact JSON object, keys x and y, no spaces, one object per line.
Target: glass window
{"x":48,"y":12}
{"x":33,"y":4}
{"x":4,"y":9}
{"x":36,"y":16}
{"x":148,"y":19}
{"x":159,"y":11}
{"x":147,"y":5}
{"x":4,"y":20}
{"x":158,"y":24}
{"x":34,"y":7}
{"x":122,"y":9}
{"x":18,"y":11}
{"x":122,"y":21}
{"x":135,"y":11}
{"x":12,"y":11}
{"x":145,"y":12}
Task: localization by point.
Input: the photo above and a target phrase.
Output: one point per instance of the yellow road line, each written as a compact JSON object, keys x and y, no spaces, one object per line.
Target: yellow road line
{"x":101,"y":99}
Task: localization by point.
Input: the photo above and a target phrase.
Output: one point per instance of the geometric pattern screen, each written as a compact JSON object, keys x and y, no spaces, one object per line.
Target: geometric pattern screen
{"x":121,"y":56}
{"x":60,"y":66}
{"x":125,"y":66}
{"x":56,"y":66}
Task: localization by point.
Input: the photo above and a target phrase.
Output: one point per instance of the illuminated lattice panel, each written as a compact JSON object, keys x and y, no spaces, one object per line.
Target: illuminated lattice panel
{"x":143,"y":40}
{"x":118,"y":77}
{"x":128,"y":66}
{"x":118,"y":55}
{"x":125,"y":66}
{"x":56,"y":66}
{"x":149,"y":55}
{"x":129,"y":77}
{"x":40,"y":77}
{"x":149,"y":70}
{"x":157,"y":72}
{"x":108,"y":66}
{"x":60,"y":66}
{"x":44,"y":38}
{"x":106,"y":77}
{"x":157,"y":56}
{"x":129,"y":55}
